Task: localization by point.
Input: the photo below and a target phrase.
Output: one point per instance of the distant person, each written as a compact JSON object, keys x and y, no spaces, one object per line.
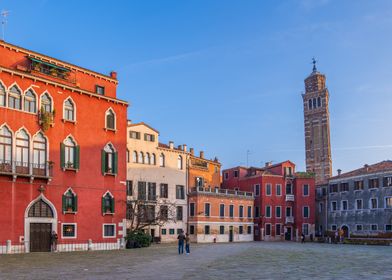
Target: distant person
{"x":311,"y":237}
{"x":336,"y":237}
{"x":187,"y":244}
{"x":302,"y":238}
{"x":53,"y":241}
{"x":181,"y":239}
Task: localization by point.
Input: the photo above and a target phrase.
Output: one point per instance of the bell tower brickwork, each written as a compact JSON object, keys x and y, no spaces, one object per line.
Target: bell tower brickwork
{"x":317,"y":134}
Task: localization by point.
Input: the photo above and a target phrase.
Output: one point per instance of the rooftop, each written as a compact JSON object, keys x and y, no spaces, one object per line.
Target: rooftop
{"x":382,"y":166}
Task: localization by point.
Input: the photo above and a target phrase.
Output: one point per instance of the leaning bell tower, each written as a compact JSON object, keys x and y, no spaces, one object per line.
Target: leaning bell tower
{"x":316,"y":117}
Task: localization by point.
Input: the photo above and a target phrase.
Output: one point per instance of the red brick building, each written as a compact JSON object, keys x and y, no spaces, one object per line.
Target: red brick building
{"x":62,"y":152}
{"x":284,"y":200}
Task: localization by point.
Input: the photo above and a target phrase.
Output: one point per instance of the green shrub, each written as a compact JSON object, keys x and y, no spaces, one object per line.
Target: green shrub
{"x":138,"y":239}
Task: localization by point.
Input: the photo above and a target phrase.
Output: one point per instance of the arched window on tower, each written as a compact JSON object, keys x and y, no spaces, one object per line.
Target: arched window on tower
{"x":310,"y":104}
{"x":14,"y":98}
{"x":30,"y":101}
{"x":147,"y":159}
{"x":319,"y":101}
{"x":141,"y":157}
{"x":314,"y":102}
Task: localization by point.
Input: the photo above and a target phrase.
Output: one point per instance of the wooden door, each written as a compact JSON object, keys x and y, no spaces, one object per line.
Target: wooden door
{"x":40,"y":237}
{"x":231,"y":234}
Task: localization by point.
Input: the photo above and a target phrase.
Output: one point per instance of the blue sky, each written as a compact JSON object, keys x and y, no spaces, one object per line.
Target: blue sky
{"x":227,"y":76}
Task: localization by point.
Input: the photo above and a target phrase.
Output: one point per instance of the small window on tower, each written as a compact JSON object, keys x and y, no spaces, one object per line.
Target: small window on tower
{"x":318,"y":101}
{"x":314,"y":102}
{"x":310,"y":103}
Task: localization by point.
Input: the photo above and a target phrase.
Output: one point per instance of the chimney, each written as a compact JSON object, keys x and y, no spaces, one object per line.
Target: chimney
{"x":179,"y":147}
{"x":113,"y":75}
{"x":339,"y":172}
{"x":171,"y":144}
{"x":268,"y":163}
{"x":192,"y":151}
{"x":366,"y":166}
{"x":129,"y":122}
{"x":185,"y":147}
{"x":201,"y":154}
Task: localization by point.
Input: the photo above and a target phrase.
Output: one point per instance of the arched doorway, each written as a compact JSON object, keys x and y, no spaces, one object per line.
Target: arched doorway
{"x":40,"y":220}
{"x":346,"y":232}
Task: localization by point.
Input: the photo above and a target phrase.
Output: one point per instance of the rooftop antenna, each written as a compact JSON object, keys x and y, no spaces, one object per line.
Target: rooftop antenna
{"x":4,"y":15}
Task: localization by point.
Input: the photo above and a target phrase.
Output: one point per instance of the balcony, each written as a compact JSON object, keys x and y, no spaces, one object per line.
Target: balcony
{"x":219,"y":191}
{"x":290,"y":220}
{"x":289,"y":197}
{"x":25,"y":169}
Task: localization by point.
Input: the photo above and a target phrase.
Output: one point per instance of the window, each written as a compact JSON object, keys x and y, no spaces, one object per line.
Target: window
{"x":222,"y":210}
{"x":100,"y":89}
{"x":374,"y":227}
{"x":334,"y":205}
{"x":305,"y":229}
{"x":388,"y":202}
{"x":14,"y":98}
{"x":289,"y":189}
{"x":129,"y":187}
{"x":179,"y":213}
{"x":162,"y":160}
{"x":321,"y":206}
{"x":249,"y":229}
{"x":358,"y":185}
{"x":128,"y":156}
{"x":110,"y":120}
{"x":277,"y":230}
{"x":141,"y":190}
{"x":268,"y":189}
{"x":289,"y":212}
{"x":69,"y":110}
{"x":268,"y":229}
{"x":268,"y":211}
{"x":68,"y":230}
{"x":334,"y":227}
{"x":109,"y":160}
{"x":344,"y":205}
{"x":180,"y":192}
{"x":199,"y":182}
{"x":222,"y":230}
{"x":306,"y":212}
{"x":164,"y":212}
{"x":257,"y":190}
{"x":109,"y":230}
{"x":107,"y":204}
{"x":147,"y":159}
{"x":226,"y":175}
{"x":5,"y":149}
{"x":2,"y":95}
{"x":278,"y":189}
{"x":153,"y":159}
{"x":305,"y":190}
{"x":344,"y":187}
{"x":241,"y":230}
{"x":171,"y":231}
{"x":314,"y":102}
{"x":149,"y":137}
{"x":249,"y":211}
{"x":69,"y":157}
{"x":235,"y":173}
{"x":141,"y":157}
{"x":207,"y":209}
{"x":29,"y":101}
{"x":319,"y":101}
{"x":70,"y":202}
{"x":134,"y":157}
{"x":191,"y":229}
{"x":288,"y":171}
{"x":134,"y":134}
{"x":310,"y":104}
{"x":388,"y":227}
{"x":373,"y":183}
{"x":387,"y":181}
{"x":164,"y":191}
{"x":39,"y":154}
{"x":206,"y":229}
{"x":241,"y":211}
{"x":152,"y":191}
{"x":373,"y":203}
{"x":358,"y":204}
{"x":46,"y":103}
{"x":22,"y":152}
{"x":257,"y":211}
{"x":163,"y":231}
{"x":333,"y":188}
{"x":179,"y":162}
{"x":358,"y":227}
{"x":231,"y":211}
{"x":278,"y":211}
{"x":192,"y":209}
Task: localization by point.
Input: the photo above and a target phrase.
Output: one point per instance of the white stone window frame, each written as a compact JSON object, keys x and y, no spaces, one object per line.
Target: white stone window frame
{"x":341,"y":205}
{"x":110,"y":109}
{"x":334,"y":226}
{"x":69,"y":237}
{"x":303,"y":190}
{"x":266,"y":189}
{"x":255,"y":187}
{"x":356,"y":204}
{"x":276,"y":216}
{"x":278,"y":186}
{"x":74,"y":110}
{"x":36,"y":100}
{"x":356,"y":227}
{"x":270,"y":214}
{"x":103,"y":230}
{"x":336,"y":208}
{"x":303,"y":212}
{"x":385,"y":202}
{"x":270,"y":225}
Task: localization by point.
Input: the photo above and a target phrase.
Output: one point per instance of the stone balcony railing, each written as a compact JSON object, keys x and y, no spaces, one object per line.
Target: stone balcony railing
{"x":289,"y":220}
{"x":290,"y":197}
{"x":219,"y":191}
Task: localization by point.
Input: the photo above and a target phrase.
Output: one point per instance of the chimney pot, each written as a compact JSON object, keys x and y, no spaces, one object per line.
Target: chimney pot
{"x":184,"y":147}
{"x":192,"y":151}
{"x":113,"y":74}
{"x":171,"y":144}
{"x":179,"y":147}
{"x":201,"y":154}
{"x":339,"y":172}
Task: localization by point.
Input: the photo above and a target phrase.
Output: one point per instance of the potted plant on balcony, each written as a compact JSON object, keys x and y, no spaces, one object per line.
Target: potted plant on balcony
{"x":46,"y":118}
{"x":69,"y":164}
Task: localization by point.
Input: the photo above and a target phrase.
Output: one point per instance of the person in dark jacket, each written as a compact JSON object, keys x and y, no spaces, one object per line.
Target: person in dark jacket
{"x":53,"y":241}
{"x":187,"y":244}
{"x":181,"y":239}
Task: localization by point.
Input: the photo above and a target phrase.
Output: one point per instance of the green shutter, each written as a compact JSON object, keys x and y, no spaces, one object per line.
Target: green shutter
{"x":62,"y":155}
{"x":64,"y":206}
{"x":76,"y":157}
{"x":112,"y":208}
{"x":103,"y":205}
{"x":103,"y":162}
{"x":75,"y":204}
{"x":115,"y":161}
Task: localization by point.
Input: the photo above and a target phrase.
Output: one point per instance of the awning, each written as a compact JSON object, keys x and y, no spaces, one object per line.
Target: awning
{"x":49,"y":64}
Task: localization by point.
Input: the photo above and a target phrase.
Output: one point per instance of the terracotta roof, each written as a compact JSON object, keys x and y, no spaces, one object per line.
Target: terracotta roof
{"x":382,"y":166}
{"x":143,"y":123}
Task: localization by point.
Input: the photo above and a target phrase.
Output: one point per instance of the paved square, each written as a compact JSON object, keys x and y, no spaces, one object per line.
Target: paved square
{"x":256,"y":260}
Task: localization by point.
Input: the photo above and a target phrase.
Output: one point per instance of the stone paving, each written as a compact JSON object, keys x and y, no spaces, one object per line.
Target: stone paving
{"x":255,"y":260}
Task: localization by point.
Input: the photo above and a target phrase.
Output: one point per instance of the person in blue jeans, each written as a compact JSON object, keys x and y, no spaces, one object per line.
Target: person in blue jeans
{"x":187,"y":243}
{"x":181,"y":238}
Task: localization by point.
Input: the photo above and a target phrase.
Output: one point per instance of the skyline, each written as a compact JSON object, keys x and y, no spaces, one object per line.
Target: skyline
{"x":248,"y":81}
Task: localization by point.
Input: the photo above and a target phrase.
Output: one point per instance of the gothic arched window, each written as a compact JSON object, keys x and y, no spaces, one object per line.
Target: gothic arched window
{"x":40,"y":209}
{"x":14,"y":98}
{"x":30,"y":101}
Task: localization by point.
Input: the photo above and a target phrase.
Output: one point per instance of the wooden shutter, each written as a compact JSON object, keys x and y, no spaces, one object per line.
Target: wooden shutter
{"x":64,"y":206}
{"x":76,"y":157}
{"x":112,"y":205}
{"x":103,"y":162}
{"x":62,"y":155}
{"x":115,"y":161}
{"x":75,"y":203}
{"x":103,"y":205}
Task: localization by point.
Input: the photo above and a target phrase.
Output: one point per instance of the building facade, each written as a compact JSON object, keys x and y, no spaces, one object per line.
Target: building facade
{"x":156,"y":176}
{"x":360,"y":201}
{"x":62,"y":152}
{"x":284,"y":200}
{"x":317,"y":132}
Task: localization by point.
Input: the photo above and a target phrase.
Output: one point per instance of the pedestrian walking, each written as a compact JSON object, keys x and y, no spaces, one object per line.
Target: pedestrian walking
{"x":53,"y":241}
{"x":187,"y":244}
{"x":181,"y":239}
{"x":302,"y":238}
